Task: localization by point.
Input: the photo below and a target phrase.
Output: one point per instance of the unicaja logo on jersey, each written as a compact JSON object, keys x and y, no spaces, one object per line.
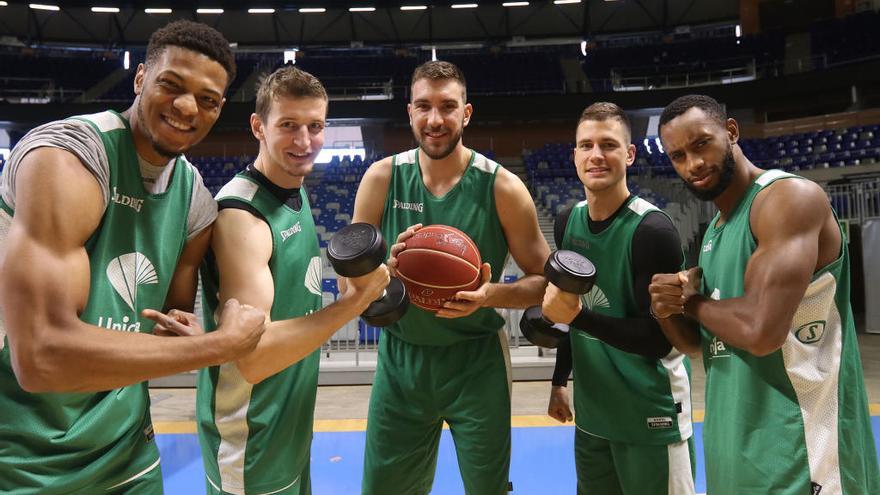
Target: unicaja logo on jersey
{"x":313,"y":276}
{"x":595,"y":299}
{"x":717,"y":348}
{"x":811,"y":332}
{"x":708,"y":246}
{"x":128,"y":272}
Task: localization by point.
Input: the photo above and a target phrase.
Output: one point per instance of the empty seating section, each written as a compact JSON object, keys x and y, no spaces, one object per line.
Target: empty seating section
{"x":655,"y":58}
{"x":59,"y":76}
{"x":820,"y":149}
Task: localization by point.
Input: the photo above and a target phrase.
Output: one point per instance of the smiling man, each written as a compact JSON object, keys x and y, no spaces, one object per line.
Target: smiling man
{"x":454,"y":365}
{"x":103,"y":218}
{"x":631,"y":388}
{"x":255,"y":414}
{"x":786,"y":411}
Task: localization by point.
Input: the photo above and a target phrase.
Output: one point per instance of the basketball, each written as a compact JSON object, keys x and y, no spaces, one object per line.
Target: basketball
{"x":438,"y":261}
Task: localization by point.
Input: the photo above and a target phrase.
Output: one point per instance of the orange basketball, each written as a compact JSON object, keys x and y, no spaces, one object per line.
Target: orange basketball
{"x":438,"y":262}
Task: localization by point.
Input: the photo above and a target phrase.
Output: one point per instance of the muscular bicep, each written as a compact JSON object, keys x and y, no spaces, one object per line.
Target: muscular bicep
{"x":242,"y":245}
{"x":182,"y":291}
{"x":786,"y":223}
{"x":519,"y":219}
{"x":369,"y":203}
{"x":44,"y":276}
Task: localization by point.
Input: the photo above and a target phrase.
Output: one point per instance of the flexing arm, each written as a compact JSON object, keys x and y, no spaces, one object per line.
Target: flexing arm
{"x":791,"y":220}
{"x":182,"y":291}
{"x":369,"y":203}
{"x":52,"y":350}
{"x":242,"y":245}
{"x":527,"y":245}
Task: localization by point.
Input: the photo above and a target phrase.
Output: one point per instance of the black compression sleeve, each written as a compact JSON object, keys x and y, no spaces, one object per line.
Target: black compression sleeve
{"x":655,"y":249}
{"x":563,"y":363}
{"x":559,"y":225}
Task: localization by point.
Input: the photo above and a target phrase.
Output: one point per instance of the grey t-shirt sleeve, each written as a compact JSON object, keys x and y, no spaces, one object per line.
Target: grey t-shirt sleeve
{"x":203,"y":208}
{"x":71,"y":135}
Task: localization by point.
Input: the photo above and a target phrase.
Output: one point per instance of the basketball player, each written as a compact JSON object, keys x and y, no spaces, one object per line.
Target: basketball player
{"x":786,"y":411}
{"x":102,"y":217}
{"x":451,"y":366}
{"x":619,"y":353}
{"x":255,"y":414}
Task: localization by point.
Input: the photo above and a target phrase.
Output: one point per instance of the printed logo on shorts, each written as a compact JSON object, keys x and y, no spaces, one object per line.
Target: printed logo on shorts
{"x":811,"y":332}
{"x":595,"y":299}
{"x":659,"y":422}
{"x":127,"y":273}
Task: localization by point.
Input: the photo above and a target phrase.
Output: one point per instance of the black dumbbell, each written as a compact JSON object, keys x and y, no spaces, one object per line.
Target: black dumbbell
{"x":569,"y":271}
{"x":357,"y":250}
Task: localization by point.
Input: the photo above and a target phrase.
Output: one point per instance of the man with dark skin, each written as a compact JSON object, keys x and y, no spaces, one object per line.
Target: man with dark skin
{"x":786,"y":410}
{"x":102,"y":219}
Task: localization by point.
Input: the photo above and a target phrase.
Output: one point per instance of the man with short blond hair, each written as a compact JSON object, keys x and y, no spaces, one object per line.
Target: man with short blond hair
{"x":255,"y":414}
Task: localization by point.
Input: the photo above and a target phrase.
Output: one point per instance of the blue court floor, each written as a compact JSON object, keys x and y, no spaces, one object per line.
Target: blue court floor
{"x":337,"y":458}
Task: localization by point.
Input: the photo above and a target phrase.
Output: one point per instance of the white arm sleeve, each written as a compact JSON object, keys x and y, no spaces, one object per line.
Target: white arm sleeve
{"x":71,"y":135}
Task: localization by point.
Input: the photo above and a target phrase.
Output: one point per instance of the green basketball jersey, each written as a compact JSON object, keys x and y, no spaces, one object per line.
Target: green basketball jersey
{"x":470,"y":207}
{"x":256,"y":438}
{"x":73,"y":442}
{"x":619,"y":395}
{"x":795,"y":421}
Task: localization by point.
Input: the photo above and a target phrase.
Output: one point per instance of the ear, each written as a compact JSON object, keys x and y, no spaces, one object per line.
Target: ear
{"x":257,"y":127}
{"x":468,"y":111}
{"x":630,"y":154}
{"x":409,"y":108}
{"x":732,"y":131}
{"x":139,"y":76}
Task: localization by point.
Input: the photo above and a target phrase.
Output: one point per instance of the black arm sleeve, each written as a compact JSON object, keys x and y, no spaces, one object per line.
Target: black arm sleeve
{"x":655,"y":249}
{"x":563,"y":350}
{"x":559,"y":225}
{"x":563,"y":363}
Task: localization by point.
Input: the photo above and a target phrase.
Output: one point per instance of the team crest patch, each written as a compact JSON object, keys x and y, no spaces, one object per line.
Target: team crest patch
{"x":811,"y":332}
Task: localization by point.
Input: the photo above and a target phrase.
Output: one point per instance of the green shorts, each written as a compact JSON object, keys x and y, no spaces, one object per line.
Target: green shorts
{"x":606,"y":467}
{"x":416,"y":389}
{"x":150,"y":483}
{"x":301,"y":486}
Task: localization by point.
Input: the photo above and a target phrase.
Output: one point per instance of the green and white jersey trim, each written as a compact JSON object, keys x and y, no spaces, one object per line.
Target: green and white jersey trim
{"x":238,"y":188}
{"x":680,"y":386}
{"x":104,"y":121}
{"x":480,"y":162}
{"x":812,"y":353}
{"x":233,"y":399}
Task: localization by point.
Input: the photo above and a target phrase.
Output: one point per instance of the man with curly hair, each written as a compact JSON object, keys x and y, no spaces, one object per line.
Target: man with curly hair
{"x":102,"y":223}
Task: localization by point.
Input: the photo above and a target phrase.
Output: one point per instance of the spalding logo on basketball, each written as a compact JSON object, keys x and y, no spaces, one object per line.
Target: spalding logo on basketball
{"x":438,"y":262}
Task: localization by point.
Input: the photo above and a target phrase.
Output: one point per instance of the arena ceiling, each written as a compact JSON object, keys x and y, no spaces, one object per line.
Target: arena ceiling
{"x":290,"y":26}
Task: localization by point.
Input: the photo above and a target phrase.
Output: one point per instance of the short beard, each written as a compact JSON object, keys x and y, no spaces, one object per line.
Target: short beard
{"x":727,"y":167}
{"x":445,"y":151}
{"x":158,"y":148}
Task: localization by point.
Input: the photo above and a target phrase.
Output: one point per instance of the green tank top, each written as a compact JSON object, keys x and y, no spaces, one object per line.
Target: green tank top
{"x":618,"y":395}
{"x":799,"y":415}
{"x":470,"y":207}
{"x":256,"y":438}
{"x":65,"y":442}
